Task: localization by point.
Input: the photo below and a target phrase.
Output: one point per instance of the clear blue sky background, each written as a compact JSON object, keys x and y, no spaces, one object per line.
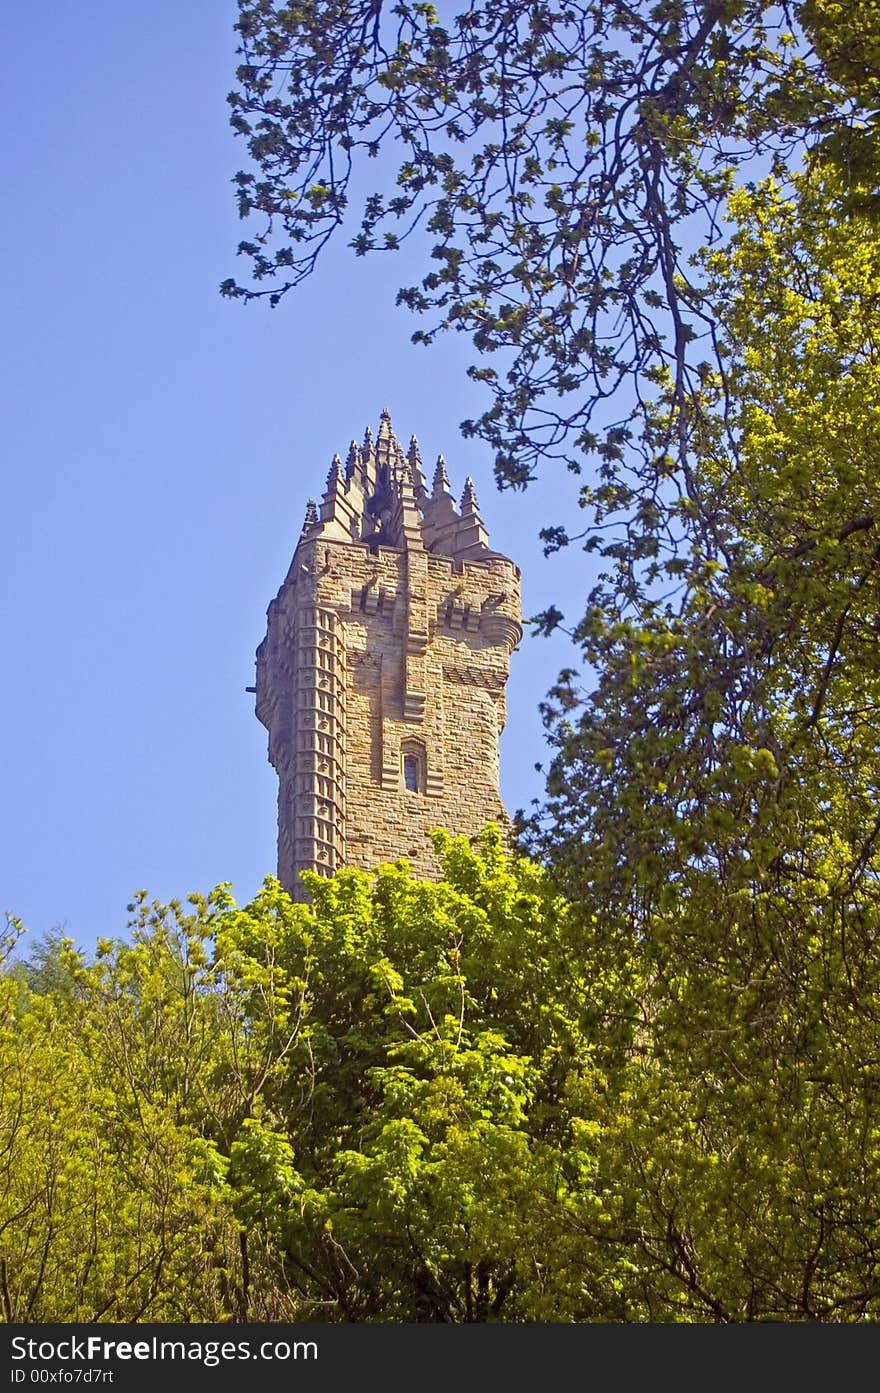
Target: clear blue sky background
{"x":159,"y":445}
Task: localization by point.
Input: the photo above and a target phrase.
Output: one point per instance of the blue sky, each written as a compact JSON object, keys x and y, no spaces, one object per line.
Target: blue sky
{"x":160,"y":444}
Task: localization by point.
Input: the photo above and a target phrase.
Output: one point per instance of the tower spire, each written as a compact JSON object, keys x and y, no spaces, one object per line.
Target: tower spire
{"x":334,"y":477}
{"x":368,"y":459}
{"x":441,"y":479}
{"x":386,"y":445}
{"x":414,"y":460}
{"x":471,"y":537}
{"x":468,"y":505}
{"x":406,"y":520}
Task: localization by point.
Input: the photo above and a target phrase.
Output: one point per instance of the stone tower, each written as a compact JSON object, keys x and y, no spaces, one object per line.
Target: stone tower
{"x":381,"y":677}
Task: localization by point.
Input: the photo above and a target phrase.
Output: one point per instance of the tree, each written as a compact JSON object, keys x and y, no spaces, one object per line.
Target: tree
{"x":753,"y":686}
{"x":104,"y":1216}
{"x":111,"y":1199}
{"x":715,"y":797}
{"x":410,"y":1163}
{"x":465,"y":1101}
{"x":352,"y":1110}
{"x":563,"y":160}
{"x":711,"y":810}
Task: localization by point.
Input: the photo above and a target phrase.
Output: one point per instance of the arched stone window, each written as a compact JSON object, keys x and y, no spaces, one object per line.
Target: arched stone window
{"x":413,"y":766}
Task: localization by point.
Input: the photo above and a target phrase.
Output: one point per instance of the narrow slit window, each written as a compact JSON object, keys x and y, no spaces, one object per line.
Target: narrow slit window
{"x":413,"y":764}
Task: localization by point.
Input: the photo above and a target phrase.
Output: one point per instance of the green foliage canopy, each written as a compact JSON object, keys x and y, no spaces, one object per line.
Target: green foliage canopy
{"x":455,"y":1102}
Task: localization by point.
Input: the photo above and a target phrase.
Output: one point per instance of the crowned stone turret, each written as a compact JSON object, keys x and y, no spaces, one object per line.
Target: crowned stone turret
{"x":381,"y":679}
